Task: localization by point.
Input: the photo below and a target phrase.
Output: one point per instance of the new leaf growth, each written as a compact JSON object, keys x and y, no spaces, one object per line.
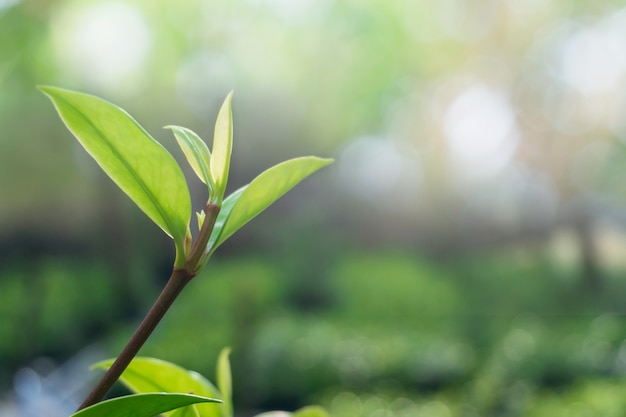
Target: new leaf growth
{"x":151,"y":177}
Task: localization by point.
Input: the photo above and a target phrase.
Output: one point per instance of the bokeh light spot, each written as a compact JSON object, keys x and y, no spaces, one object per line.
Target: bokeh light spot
{"x":593,"y":59}
{"x":6,"y":4}
{"x":519,"y":344}
{"x":373,"y":167}
{"x":105,"y":44}
{"x":480,"y":130}
{"x":297,"y":11}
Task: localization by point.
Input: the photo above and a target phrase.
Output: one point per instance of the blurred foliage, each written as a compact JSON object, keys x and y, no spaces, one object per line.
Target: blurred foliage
{"x":482,"y":139}
{"x":411,"y":336}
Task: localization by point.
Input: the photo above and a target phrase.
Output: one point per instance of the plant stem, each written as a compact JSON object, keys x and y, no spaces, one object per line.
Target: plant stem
{"x":174,"y":286}
{"x":194,"y":260}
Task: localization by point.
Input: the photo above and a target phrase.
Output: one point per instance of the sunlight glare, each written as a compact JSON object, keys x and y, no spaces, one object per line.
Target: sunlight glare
{"x":481,"y":131}
{"x":105,"y":44}
{"x":593,"y":59}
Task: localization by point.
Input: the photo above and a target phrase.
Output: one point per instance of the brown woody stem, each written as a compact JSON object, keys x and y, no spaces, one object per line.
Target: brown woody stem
{"x":194,"y":259}
{"x":175,"y":284}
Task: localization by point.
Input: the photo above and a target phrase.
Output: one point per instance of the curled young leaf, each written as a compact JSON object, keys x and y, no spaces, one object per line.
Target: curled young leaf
{"x":196,"y":152}
{"x":222,"y":149}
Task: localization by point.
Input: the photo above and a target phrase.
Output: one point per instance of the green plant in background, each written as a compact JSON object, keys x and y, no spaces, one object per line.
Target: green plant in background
{"x":147,"y":375}
{"x":151,"y":177}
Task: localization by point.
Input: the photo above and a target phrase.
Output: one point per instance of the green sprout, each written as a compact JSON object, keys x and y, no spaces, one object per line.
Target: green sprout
{"x":152,"y":179}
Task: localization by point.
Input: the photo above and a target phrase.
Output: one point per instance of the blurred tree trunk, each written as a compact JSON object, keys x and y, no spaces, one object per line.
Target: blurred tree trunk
{"x":583,"y":226}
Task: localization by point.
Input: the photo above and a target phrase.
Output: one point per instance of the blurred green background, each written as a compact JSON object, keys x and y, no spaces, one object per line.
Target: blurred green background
{"x":464,"y":256}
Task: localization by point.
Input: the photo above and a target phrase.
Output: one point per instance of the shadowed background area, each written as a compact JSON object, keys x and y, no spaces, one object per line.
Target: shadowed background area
{"x":464,"y":256}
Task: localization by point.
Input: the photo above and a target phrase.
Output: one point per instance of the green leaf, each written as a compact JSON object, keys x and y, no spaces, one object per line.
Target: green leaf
{"x":150,"y":374}
{"x":227,"y":208}
{"x":311,"y":411}
{"x":196,"y":152}
{"x":222,"y":148}
{"x":189,"y":411}
{"x":137,"y":163}
{"x":141,"y":405}
{"x":224,"y":382}
{"x":264,"y":190}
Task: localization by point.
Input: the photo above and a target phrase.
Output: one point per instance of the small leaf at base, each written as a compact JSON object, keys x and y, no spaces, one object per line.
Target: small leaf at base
{"x":201,"y":215}
{"x":150,"y":374}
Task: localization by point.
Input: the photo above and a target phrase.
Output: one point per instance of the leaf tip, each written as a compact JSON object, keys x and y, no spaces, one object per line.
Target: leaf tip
{"x":172,"y":127}
{"x":46,"y":89}
{"x":50,"y":90}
